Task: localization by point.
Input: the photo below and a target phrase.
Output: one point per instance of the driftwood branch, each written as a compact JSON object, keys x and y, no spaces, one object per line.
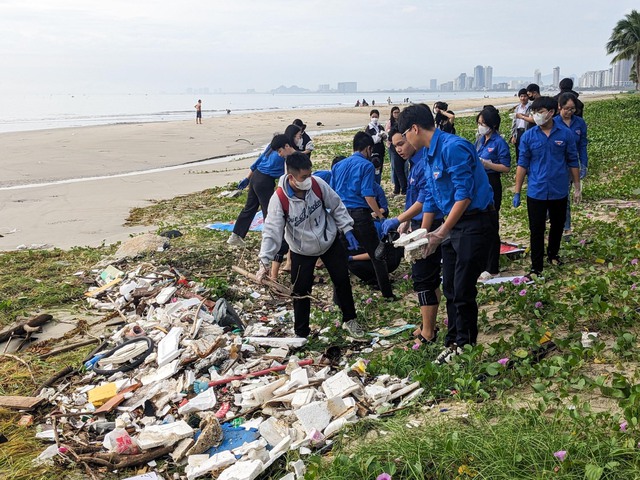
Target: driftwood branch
{"x":126,"y":461}
{"x":54,"y":378}
{"x":272,"y":284}
{"x":67,"y":348}
{"x":26,"y":328}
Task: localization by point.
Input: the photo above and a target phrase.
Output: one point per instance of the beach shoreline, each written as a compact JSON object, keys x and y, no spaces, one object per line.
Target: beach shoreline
{"x":75,"y":186}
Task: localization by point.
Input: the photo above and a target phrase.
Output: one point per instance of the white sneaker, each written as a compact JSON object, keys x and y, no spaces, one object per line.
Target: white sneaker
{"x":235,"y":240}
{"x":354,"y":328}
{"x":446,"y":355}
{"x":484,"y":276}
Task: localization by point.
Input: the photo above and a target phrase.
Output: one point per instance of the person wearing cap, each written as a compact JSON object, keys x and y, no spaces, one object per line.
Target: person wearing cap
{"x":305,"y":143}
{"x":458,"y":187}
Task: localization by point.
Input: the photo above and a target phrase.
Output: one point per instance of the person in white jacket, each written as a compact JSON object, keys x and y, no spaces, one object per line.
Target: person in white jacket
{"x":310,"y":214}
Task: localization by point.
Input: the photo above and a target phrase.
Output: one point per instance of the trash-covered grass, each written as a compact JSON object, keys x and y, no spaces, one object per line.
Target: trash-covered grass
{"x":572,"y":399}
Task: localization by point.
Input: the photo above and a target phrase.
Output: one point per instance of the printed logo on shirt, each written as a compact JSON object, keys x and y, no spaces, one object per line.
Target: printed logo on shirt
{"x":490,"y":149}
{"x":436,"y":174}
{"x":559,"y":142}
{"x":578,"y":131}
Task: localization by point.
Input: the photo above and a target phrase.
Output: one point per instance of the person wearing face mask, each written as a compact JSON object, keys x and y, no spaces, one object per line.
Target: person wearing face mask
{"x":548,"y":157}
{"x":353,"y":180}
{"x":310,"y":214}
{"x":304,"y":143}
{"x":379,"y":136}
{"x":396,"y":162}
{"x":494,"y":154}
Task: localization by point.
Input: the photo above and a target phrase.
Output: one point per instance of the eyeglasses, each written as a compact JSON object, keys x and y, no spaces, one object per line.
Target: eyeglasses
{"x":404,"y":135}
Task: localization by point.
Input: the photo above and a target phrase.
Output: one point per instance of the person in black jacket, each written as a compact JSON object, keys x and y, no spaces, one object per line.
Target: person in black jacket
{"x":566,"y":86}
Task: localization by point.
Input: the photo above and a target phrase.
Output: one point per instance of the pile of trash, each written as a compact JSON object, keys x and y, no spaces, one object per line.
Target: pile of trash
{"x":186,"y":379}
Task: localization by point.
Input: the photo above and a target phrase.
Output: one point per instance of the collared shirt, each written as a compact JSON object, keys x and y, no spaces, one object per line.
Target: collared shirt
{"x":323,"y":174}
{"x":524,"y":110}
{"x":416,"y":184}
{"x":353,"y":179}
{"x":494,"y":149}
{"x":269,"y":163}
{"x":546,"y":160}
{"x":453,"y":172}
{"x":579,"y":127}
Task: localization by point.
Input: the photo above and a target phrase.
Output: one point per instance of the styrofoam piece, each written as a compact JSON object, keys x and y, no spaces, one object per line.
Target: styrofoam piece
{"x":377,"y":392}
{"x":334,"y":426}
{"x":339,"y":385}
{"x":215,"y":462}
{"x":288,"y":476}
{"x":197,"y":460}
{"x":302,"y":397}
{"x":246,"y":470}
{"x":279,"y":450}
{"x":292,"y":342}
{"x":165,"y":434}
{"x":165,"y":295}
{"x":299,"y":468}
{"x":411,"y":396}
{"x":314,"y":416}
{"x":246,"y":447}
{"x":416,"y":244}
{"x":160,"y":374}
{"x":169,"y":346}
{"x":588,"y":338}
{"x":404,"y":391}
{"x":203,"y":401}
{"x":404,"y":240}
{"x":181,"y":305}
{"x":336,"y":406}
{"x":297,"y":378}
{"x":273,"y":430}
{"x":145,"y":476}
{"x":181,"y":449}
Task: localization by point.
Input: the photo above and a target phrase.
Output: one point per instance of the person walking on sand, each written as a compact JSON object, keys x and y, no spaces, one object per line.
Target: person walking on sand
{"x":310,"y":214}
{"x":198,"y":107}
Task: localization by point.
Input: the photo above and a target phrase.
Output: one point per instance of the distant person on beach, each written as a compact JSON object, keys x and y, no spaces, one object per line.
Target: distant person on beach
{"x":396,"y":162}
{"x":494,"y":154}
{"x":388,"y":100}
{"x":444,"y":117}
{"x":353,"y":180}
{"x":521,"y":119}
{"x":566,"y":86}
{"x":357,"y":103}
{"x":198,"y":107}
{"x":305,"y":143}
{"x":379,"y":136}
{"x":309,"y":214}
{"x":548,"y":158}
{"x":228,"y":112}
{"x":364,"y":103}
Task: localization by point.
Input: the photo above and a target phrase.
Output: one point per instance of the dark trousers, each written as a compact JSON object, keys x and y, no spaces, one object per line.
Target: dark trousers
{"x":366,"y":234}
{"x":464,"y":256}
{"x":363,"y":269}
{"x":399,"y":175}
{"x":302,"y":269}
{"x":519,"y":133}
{"x":261,"y":187}
{"x":493,"y":262}
{"x":426,"y":271}
{"x":537,"y":211}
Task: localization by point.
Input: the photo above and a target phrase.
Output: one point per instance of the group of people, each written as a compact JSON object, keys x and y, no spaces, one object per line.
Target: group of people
{"x":452,"y":189}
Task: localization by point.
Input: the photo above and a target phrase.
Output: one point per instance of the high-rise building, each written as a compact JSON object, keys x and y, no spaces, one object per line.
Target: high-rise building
{"x":460,"y":82}
{"x":433,"y":84}
{"x":347,"y":87}
{"x":556,"y":76}
{"x":469,"y":83}
{"x":537,"y":77}
{"x":488,"y":77}
{"x":621,"y":72}
{"x":324,"y":88}
{"x":446,"y":86}
{"x":478,"y":74}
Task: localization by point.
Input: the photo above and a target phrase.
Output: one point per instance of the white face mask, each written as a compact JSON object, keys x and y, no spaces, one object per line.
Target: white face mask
{"x":374,"y":120}
{"x":299,"y":143}
{"x":483,"y":129}
{"x":540,"y":118}
{"x":303,"y":185}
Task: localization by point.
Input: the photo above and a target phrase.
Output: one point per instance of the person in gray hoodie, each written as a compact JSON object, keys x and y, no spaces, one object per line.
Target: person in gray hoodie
{"x":310,"y":214}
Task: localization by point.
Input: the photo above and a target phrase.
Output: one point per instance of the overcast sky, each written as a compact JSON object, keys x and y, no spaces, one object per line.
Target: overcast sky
{"x":143,"y":46}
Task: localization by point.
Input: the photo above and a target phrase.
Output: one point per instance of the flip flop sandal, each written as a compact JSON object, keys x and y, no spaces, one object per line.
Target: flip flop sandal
{"x":433,"y":340}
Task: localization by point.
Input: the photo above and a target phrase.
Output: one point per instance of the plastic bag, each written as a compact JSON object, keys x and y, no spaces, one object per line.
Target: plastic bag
{"x":119,"y":441}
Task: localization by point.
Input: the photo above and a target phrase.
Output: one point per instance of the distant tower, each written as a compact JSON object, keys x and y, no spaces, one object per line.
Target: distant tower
{"x":461,"y":82}
{"x":488,"y":77}
{"x":621,"y":72}
{"x":433,"y":84}
{"x":537,"y":78}
{"x":478,"y":74}
{"x":556,"y":76}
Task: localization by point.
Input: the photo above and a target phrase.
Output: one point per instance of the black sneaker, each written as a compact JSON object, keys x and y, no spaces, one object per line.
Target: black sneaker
{"x":447,"y":355}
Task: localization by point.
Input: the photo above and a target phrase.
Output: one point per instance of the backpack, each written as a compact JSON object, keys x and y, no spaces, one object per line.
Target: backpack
{"x":284,"y":200}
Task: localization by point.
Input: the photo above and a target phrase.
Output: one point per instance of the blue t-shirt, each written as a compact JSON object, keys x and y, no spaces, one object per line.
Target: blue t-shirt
{"x":546,"y":160}
{"x":323,"y":174}
{"x":495,"y":149}
{"x":453,"y":172}
{"x":269,"y":163}
{"x":353,"y":179}
{"x":579,"y":127}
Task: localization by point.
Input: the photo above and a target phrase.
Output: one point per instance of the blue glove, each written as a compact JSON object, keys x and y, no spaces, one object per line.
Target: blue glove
{"x":390,"y":224}
{"x":583,"y":171}
{"x":242,"y":184}
{"x":516,"y":200}
{"x":351,"y":240}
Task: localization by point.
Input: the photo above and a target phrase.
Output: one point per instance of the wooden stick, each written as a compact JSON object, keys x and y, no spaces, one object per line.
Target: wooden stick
{"x":272,"y":284}
{"x":54,"y":378}
{"x":69,"y":347}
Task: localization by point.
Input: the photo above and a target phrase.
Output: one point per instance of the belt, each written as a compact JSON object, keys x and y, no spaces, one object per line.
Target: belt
{"x":477,"y":211}
{"x":521,"y":129}
{"x":358,"y":210}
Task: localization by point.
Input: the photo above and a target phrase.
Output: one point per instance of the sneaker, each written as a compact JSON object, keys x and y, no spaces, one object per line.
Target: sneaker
{"x":447,"y":355}
{"x":353,"y":328}
{"x":484,"y":276}
{"x":235,"y":240}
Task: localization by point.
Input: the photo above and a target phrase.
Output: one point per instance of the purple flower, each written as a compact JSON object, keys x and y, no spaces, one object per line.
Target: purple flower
{"x":634,"y":261}
{"x":634,"y":286}
{"x":501,"y":289}
{"x":446,"y":321}
{"x":523,"y":292}
{"x":583,"y":241}
{"x":383,"y":476}
{"x":338,"y":324}
{"x":516,"y":281}
{"x":538,"y":305}
{"x":623,"y":426}
{"x":368,"y":300}
{"x":416,"y":346}
{"x":406,"y":277}
{"x":503,"y":361}
{"x":633,"y":274}
{"x":560,"y":455}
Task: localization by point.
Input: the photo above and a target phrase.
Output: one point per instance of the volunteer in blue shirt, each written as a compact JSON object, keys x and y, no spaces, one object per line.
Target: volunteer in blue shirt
{"x":548,"y":156}
{"x":457,"y":186}
{"x":264,"y":173}
{"x":494,"y":154}
{"x":353,"y":179}
{"x":567,"y":103}
{"x":424,"y":272}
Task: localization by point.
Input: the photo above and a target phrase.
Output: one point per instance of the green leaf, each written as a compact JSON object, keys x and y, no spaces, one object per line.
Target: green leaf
{"x":493,"y":369}
{"x":593,"y":472}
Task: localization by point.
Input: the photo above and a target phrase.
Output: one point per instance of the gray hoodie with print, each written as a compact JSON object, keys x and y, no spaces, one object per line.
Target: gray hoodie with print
{"x":310,"y":229}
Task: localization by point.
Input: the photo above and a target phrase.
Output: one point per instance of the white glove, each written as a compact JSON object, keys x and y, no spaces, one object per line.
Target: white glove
{"x":262,"y":272}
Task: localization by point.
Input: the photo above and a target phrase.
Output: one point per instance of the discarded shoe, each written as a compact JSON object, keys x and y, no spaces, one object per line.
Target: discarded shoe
{"x":353,"y":328}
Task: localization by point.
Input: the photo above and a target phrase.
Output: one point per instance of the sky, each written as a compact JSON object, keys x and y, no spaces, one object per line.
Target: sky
{"x":144,"y":46}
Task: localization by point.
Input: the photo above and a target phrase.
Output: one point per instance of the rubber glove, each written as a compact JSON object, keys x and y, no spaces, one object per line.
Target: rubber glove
{"x":390,"y":224}
{"x":577,"y":194}
{"x":516,"y":200}
{"x":351,"y":240}
{"x":583,"y":171}
{"x":242,"y":184}
{"x":436,"y":237}
{"x":262,"y":272}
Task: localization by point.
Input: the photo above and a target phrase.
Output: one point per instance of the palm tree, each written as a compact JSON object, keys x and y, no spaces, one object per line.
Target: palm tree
{"x":625,"y":41}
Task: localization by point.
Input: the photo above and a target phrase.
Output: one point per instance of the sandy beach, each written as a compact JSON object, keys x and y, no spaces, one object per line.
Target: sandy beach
{"x":75,"y":186}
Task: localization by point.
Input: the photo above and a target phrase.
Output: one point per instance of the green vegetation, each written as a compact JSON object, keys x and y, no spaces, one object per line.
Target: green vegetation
{"x":506,"y":406}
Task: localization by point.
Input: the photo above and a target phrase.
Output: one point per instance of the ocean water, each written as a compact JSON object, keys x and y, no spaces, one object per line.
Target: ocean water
{"x":41,"y":111}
